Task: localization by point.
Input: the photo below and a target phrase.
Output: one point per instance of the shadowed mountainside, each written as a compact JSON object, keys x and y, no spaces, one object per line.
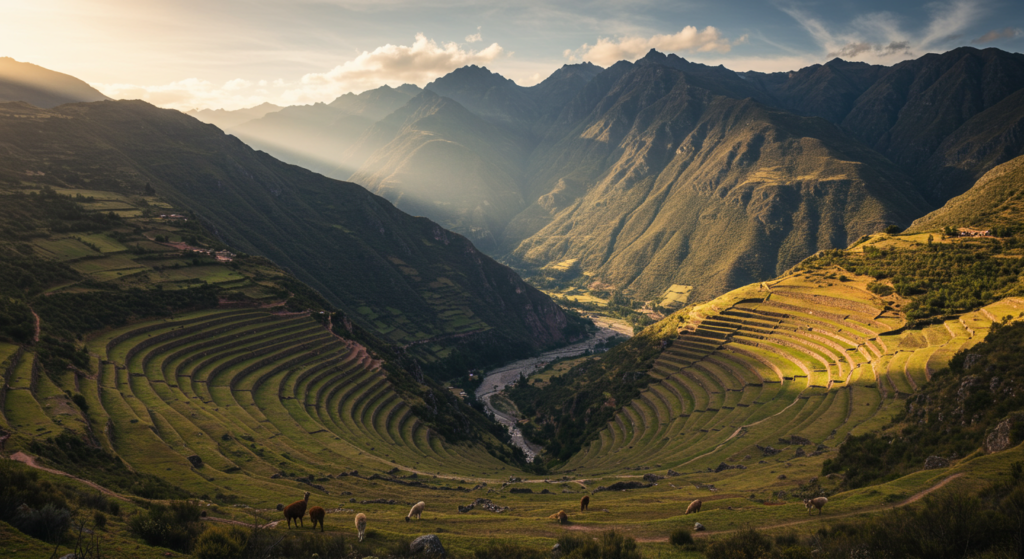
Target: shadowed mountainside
{"x":405,"y":279}
{"x":997,"y":199}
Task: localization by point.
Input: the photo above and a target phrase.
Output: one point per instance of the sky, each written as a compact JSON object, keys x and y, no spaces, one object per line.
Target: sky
{"x":232,"y":54}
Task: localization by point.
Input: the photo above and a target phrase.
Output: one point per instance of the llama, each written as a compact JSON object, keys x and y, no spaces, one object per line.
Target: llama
{"x":296,"y":510}
{"x":584,"y":503}
{"x":817,"y":502}
{"x":694,"y":507}
{"x":416,"y":511}
{"x":561,"y":517}
{"x":361,"y":525}
{"x":316,"y":514}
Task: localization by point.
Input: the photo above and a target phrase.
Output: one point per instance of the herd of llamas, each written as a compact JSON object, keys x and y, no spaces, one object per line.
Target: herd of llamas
{"x":297,"y":510}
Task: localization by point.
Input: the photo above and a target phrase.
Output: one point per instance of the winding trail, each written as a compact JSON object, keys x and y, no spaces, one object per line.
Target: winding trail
{"x":31,"y":462}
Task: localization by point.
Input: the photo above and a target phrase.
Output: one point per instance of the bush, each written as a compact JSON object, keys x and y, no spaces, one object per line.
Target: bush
{"x":507,"y":549}
{"x":681,"y":537}
{"x":221,"y":542}
{"x":745,"y":544}
{"x":48,"y":523}
{"x":175,"y":526}
{"x":99,"y":519}
{"x":609,"y":545}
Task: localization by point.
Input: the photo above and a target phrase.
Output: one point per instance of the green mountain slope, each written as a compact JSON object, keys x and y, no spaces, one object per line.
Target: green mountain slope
{"x":21,"y":81}
{"x":405,"y":279}
{"x":681,"y":186}
{"x":997,"y":199}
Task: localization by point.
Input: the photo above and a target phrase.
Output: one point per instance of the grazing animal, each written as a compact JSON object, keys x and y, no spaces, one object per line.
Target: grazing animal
{"x":694,"y":507}
{"x":416,"y":511}
{"x":817,"y":502}
{"x":361,"y":525}
{"x":296,"y":510}
{"x":561,"y":517}
{"x":584,"y":503}
{"x":316,"y":514}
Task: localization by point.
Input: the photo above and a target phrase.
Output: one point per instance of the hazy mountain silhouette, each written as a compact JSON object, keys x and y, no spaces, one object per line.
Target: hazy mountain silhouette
{"x":21,"y":81}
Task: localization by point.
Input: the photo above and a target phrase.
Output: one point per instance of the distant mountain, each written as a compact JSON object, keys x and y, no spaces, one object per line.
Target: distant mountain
{"x":405,"y":279}
{"x":997,"y":199}
{"x":433,"y":157}
{"x":919,"y":113}
{"x":317,"y":136}
{"x":660,"y":181}
{"x":225,"y":119}
{"x":21,"y":81}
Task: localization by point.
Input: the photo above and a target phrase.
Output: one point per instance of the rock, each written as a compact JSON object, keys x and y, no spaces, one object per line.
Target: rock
{"x":652,"y":477}
{"x":934,"y":462}
{"x":797,"y":439}
{"x":428,"y":545}
{"x":195,"y":460}
{"x":279,"y":507}
{"x":275,"y":476}
{"x":782,"y":476}
{"x":556,"y":551}
{"x":520,"y":490}
{"x":799,"y":452}
{"x":69,"y":556}
{"x":722,"y":467}
{"x":1000,"y":438}
{"x":698,"y":527}
{"x":768,"y":450}
{"x":624,"y":485}
{"x":672,"y":473}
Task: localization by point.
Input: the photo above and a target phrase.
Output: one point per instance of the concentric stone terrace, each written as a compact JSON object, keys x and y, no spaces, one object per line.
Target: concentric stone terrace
{"x":769,"y":362}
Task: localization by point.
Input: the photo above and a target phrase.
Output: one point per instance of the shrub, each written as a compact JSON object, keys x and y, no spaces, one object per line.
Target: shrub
{"x":175,"y":526}
{"x":507,"y":549}
{"x":681,"y":537}
{"x":609,"y":545}
{"x":99,"y":519}
{"x":745,"y":544}
{"x":220,"y":542}
{"x":48,"y":523}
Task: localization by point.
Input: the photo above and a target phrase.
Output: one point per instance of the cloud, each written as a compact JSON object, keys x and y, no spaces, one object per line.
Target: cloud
{"x":879,"y":37}
{"x":996,"y":34}
{"x":609,"y":51}
{"x":474,"y":38}
{"x":394,"y":65}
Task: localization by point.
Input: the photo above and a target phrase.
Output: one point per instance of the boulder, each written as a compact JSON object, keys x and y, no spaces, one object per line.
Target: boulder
{"x":782,"y":476}
{"x":722,"y":467}
{"x":1000,"y":437}
{"x":934,"y":462}
{"x":652,"y":477}
{"x":195,"y":460}
{"x":799,"y":452}
{"x":556,"y":551}
{"x":698,"y":527}
{"x":672,"y":473}
{"x":427,"y":545}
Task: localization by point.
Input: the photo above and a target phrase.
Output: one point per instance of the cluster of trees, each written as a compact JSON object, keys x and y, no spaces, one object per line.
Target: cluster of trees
{"x":940,"y":279}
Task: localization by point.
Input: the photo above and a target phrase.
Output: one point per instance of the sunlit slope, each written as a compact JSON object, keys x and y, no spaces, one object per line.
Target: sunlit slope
{"x":250,"y":392}
{"x":813,"y":354}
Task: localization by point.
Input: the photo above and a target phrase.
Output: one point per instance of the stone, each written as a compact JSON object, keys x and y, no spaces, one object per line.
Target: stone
{"x":722,"y":467}
{"x":1000,"y":437}
{"x":520,"y":490}
{"x":799,"y":452}
{"x":556,"y":551}
{"x":934,"y":462}
{"x":672,"y":473}
{"x":427,"y":545}
{"x":279,"y":507}
{"x":782,"y":476}
{"x":797,"y":439}
{"x":195,"y":460}
{"x":652,"y":477}
{"x":698,"y":527}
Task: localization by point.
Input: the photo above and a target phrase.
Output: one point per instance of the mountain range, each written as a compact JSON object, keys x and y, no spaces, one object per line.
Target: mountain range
{"x":662,"y":171}
{"x":21,"y":81}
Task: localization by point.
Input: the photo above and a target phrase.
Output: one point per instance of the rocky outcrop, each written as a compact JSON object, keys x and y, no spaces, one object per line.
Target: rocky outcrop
{"x":427,"y":545}
{"x":1001,"y":437}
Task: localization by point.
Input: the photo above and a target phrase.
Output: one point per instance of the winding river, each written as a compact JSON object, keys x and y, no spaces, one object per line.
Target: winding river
{"x":497,"y":379}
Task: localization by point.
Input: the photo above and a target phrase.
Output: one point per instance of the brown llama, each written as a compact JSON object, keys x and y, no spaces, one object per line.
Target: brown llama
{"x":561,"y":517}
{"x":694,"y":507}
{"x":296,"y":510}
{"x":316,"y":514}
{"x":584,"y":503}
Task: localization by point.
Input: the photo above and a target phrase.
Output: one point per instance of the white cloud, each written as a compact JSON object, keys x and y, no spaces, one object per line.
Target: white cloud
{"x":474,"y":38}
{"x":393,"y":65}
{"x":609,"y":51}
{"x":880,"y":38}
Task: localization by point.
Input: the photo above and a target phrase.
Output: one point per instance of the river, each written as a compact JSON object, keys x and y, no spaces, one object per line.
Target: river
{"x":496,"y":380}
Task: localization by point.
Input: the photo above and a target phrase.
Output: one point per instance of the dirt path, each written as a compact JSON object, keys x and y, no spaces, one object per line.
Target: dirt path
{"x":812,"y":518}
{"x":35,"y":337}
{"x":31,"y":462}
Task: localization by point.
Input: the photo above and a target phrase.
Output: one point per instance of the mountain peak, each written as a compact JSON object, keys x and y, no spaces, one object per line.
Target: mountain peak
{"x":23,"y":81}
